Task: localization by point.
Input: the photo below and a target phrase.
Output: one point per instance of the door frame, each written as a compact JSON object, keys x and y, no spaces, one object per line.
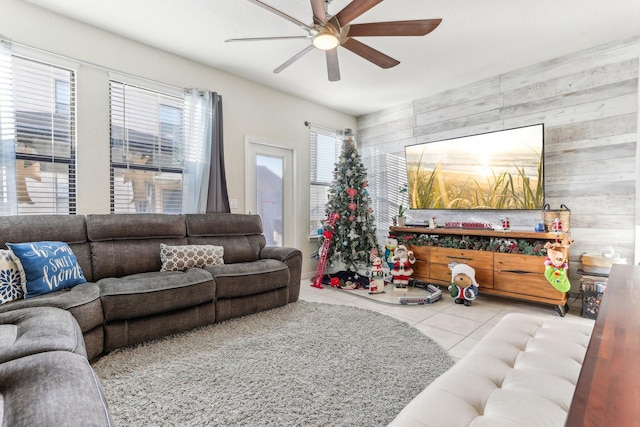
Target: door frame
{"x":257,"y":145}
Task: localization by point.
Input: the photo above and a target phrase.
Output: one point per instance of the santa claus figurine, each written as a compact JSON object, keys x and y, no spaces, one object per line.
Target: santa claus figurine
{"x":376,"y":281}
{"x":401,"y":270}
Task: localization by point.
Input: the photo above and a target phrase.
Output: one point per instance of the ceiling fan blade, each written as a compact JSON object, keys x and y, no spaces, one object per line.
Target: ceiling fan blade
{"x":354,"y":9}
{"x":420,"y":27}
{"x":319,"y":13}
{"x":293,"y":59}
{"x":333,"y":69}
{"x":281,"y":14}
{"x":257,"y":39}
{"x":370,"y":54}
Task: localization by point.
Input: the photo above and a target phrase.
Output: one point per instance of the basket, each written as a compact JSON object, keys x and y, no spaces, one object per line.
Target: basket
{"x":549,"y":216}
{"x":599,"y":264}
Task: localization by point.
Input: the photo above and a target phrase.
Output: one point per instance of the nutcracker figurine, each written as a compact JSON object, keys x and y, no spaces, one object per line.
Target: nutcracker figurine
{"x":376,"y":281}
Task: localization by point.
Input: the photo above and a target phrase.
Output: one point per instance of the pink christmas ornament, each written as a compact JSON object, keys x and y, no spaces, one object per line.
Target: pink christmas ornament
{"x":352,"y":192}
{"x":352,"y":206}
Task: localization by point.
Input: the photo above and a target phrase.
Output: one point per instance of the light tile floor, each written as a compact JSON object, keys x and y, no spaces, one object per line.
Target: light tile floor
{"x":455,"y":327}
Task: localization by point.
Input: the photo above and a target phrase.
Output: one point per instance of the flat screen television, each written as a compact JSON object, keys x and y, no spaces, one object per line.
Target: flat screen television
{"x":495,"y":170}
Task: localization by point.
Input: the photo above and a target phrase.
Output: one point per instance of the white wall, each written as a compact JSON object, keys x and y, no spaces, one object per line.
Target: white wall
{"x":249,"y":108}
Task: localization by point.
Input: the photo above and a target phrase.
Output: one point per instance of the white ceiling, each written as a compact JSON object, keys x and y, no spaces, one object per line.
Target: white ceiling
{"x":477,"y":39}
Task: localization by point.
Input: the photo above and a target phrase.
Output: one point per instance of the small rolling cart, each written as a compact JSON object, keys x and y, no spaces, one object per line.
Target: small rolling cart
{"x":592,"y":287}
{"x":594,"y":276}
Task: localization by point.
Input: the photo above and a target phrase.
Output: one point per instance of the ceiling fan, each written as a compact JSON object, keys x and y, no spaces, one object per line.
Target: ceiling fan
{"x":330,"y":31}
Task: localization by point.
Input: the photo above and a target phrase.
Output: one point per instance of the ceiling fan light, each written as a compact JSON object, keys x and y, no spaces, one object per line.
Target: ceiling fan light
{"x":325,"y":41}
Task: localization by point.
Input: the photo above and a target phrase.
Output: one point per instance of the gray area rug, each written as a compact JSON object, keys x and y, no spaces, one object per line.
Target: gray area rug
{"x":305,"y":364}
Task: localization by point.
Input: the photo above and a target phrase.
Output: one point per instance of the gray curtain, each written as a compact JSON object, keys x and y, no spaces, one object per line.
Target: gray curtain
{"x":218,"y":197}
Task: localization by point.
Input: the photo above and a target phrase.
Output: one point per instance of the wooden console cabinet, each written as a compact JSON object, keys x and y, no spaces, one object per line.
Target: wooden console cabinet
{"x":508,"y":275}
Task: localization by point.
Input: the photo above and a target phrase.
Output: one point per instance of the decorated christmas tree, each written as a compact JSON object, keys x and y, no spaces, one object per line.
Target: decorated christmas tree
{"x":354,"y":234}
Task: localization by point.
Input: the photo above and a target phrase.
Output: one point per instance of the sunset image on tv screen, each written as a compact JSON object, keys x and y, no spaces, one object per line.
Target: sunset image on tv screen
{"x":496,"y":170}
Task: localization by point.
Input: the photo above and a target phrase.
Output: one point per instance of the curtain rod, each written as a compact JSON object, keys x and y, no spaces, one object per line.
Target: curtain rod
{"x":345,"y":131}
{"x":87,"y":63}
{"x":308,"y":124}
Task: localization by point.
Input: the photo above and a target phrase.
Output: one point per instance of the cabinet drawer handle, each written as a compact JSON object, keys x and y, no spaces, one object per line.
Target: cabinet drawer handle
{"x":517,"y":271}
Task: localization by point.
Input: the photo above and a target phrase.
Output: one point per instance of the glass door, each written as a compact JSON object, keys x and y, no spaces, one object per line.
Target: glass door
{"x":270,"y":190}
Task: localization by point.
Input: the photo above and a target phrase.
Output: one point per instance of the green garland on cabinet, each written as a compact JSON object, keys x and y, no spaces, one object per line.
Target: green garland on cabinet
{"x":493,"y":244}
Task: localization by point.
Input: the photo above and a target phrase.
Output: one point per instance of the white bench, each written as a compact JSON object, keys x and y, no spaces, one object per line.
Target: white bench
{"x":522,"y":373}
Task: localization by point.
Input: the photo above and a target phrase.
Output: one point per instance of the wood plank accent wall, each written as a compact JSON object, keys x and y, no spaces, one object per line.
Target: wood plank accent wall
{"x":588,"y":102}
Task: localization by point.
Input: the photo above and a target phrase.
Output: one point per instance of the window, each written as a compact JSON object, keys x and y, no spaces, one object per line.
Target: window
{"x":324,"y":152}
{"x":147,"y":150}
{"x":44,"y":123}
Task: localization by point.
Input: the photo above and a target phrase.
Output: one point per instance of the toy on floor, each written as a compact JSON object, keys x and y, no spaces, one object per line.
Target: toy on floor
{"x":376,"y":281}
{"x":556,"y":264}
{"x":401,"y":270}
{"x":434,"y":295}
{"x":464,"y":287}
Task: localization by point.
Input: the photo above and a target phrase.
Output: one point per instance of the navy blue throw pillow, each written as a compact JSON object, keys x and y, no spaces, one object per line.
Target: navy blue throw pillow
{"x":46,"y":267}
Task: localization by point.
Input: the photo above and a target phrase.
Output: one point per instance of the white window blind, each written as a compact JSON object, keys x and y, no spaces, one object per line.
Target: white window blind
{"x":44,"y":119}
{"x":147,"y":150}
{"x":324,"y":152}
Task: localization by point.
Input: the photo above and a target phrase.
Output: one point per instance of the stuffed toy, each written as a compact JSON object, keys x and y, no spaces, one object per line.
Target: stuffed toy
{"x":401,"y":270}
{"x":389,"y":248}
{"x":464,"y":287}
{"x":556,"y":264}
{"x":376,"y":281}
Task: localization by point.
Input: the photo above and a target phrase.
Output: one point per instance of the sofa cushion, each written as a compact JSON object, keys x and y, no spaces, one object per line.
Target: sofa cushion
{"x":28,"y":331}
{"x":145,"y":294}
{"x":181,"y":258}
{"x":83,"y":301}
{"x":118,"y":258}
{"x":126,"y":244}
{"x":223,"y":224}
{"x":55,"y":388}
{"x":249,"y":278}
{"x":236,"y":248}
{"x":102,"y":227}
{"x":239,"y":234}
{"x":46,"y":267}
{"x":32,"y":228}
{"x":10,"y":282}
{"x":82,"y":251}
{"x":71,"y":229}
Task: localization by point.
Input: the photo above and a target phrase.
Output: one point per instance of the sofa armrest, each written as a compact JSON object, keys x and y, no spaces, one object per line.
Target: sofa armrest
{"x":280,"y":253}
{"x":522,"y":372}
{"x":293,"y":259}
